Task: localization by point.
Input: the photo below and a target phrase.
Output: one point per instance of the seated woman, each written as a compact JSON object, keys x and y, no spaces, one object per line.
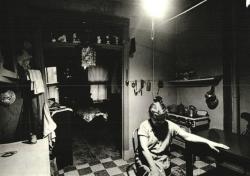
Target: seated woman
{"x":155,"y":136}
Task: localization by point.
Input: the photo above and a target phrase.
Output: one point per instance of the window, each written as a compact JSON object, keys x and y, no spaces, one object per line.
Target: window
{"x":98,"y":78}
{"x":51,"y":81}
{"x":98,"y":92}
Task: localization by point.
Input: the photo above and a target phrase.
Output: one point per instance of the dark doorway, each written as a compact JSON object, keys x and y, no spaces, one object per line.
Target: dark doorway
{"x":93,"y":93}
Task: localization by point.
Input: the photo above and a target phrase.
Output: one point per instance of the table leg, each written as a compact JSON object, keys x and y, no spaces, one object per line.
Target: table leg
{"x":189,"y":160}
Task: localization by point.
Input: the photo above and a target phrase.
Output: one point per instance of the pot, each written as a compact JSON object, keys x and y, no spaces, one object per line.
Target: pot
{"x":211,"y":99}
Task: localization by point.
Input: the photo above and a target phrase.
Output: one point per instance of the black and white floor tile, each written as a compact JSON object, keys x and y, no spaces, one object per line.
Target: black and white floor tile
{"x":117,"y":167}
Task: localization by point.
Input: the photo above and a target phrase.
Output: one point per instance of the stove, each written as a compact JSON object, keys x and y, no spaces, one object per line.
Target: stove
{"x":189,"y":124}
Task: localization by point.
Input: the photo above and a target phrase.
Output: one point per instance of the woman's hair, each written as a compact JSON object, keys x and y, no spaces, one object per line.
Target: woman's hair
{"x":157,"y":99}
{"x":153,"y":108}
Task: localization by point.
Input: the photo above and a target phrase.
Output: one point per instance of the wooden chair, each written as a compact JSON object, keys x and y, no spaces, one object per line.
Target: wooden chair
{"x":135,"y":166}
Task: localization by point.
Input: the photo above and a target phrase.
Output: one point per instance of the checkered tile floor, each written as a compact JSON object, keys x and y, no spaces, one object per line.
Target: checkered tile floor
{"x":117,"y":167}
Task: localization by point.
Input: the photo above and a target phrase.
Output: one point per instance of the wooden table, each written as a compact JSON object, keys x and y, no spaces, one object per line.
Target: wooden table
{"x":239,"y":152}
{"x":30,"y":159}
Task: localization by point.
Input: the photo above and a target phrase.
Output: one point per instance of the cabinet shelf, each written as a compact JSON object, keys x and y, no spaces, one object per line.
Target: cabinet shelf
{"x":199,"y":82}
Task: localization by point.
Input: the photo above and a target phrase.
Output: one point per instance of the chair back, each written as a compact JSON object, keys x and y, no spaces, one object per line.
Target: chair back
{"x":135,"y":140}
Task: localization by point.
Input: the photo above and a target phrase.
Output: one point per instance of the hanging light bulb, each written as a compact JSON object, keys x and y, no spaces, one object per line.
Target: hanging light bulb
{"x":88,"y":57}
{"x":155,"y":8}
{"x":247,"y":3}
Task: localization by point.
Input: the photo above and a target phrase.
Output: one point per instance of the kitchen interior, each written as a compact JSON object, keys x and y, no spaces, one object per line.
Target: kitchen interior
{"x":100,"y":64}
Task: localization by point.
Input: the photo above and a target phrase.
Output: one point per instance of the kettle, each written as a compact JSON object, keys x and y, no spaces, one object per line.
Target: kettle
{"x":211,"y":99}
{"x":192,"y":111}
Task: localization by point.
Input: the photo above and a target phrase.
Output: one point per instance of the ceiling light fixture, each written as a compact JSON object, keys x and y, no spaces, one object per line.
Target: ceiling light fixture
{"x":155,"y":8}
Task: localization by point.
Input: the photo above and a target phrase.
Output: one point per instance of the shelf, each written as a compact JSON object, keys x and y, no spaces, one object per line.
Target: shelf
{"x":75,"y":45}
{"x":7,"y":76}
{"x":197,"y":82}
{"x":109,"y":46}
{"x":8,"y":73}
{"x":60,"y":45}
{"x":4,"y":79}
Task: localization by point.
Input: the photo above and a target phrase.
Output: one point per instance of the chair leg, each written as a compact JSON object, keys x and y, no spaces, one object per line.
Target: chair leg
{"x":129,"y":167}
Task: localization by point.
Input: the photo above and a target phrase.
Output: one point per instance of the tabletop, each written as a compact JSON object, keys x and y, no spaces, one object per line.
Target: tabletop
{"x":239,"y":152}
{"x":28,"y":159}
{"x":239,"y":145}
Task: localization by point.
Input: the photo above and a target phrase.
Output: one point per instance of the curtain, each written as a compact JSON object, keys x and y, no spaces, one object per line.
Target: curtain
{"x":98,"y":92}
{"x":98,"y":77}
{"x":97,"y":74}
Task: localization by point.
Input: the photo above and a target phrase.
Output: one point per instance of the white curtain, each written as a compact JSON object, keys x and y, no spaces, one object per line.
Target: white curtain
{"x":98,"y":76}
{"x":98,"y":92}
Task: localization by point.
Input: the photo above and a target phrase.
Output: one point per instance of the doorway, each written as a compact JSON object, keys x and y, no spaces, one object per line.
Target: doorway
{"x":98,"y":121}
{"x":102,"y":136}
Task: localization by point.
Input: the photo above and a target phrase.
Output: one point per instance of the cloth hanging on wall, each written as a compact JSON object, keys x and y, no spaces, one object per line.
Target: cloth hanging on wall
{"x":36,"y":81}
{"x":35,"y":117}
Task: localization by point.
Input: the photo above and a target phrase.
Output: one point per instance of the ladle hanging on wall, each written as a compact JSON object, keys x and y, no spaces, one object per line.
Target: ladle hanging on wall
{"x":211,"y":99}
